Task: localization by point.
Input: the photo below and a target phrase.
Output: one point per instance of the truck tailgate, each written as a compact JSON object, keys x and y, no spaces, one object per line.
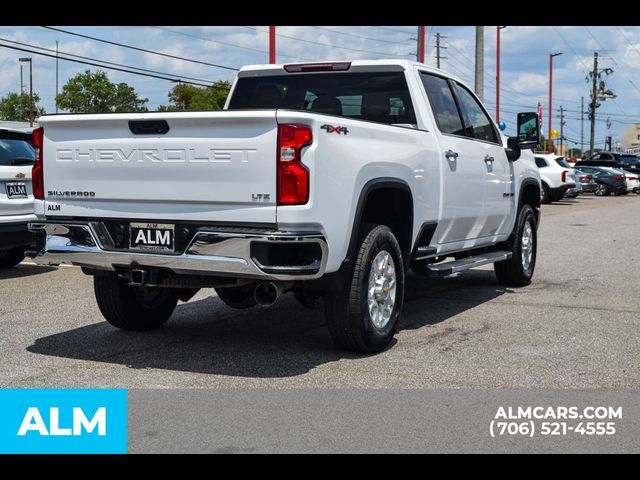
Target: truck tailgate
{"x":208,"y":166}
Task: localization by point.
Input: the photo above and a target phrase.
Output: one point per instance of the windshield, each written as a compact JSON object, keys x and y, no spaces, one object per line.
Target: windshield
{"x":377,"y":97}
{"x":16,"y":151}
{"x":563,"y":163}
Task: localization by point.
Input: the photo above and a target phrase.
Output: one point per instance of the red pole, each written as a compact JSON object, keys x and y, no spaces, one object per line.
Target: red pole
{"x":272,"y":44}
{"x":421,"y":40}
{"x":498,"y":75}
{"x":550,"y":112}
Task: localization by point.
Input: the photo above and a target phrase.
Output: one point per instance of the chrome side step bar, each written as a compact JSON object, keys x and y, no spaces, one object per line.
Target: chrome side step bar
{"x":447,"y":268}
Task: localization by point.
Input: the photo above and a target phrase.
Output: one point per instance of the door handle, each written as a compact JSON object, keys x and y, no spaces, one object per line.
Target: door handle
{"x":489,"y":159}
{"x":450,"y":154}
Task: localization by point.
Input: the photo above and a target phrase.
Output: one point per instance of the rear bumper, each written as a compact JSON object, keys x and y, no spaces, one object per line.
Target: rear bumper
{"x":229,"y":252}
{"x":15,"y":235}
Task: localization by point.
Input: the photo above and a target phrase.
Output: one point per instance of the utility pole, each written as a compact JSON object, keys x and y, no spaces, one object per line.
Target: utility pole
{"x":56,"y":99}
{"x":594,"y":101}
{"x":562,"y":122}
{"x":549,"y":140}
{"x":498,"y":73}
{"x":479,"y":75}
{"x":438,"y":47}
{"x":582,"y":126}
{"x":421,"y":42}
{"x":272,"y":45}
{"x":21,"y":81}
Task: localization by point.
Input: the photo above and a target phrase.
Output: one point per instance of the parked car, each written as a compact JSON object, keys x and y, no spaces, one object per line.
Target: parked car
{"x":607,"y":182}
{"x":17,"y":156}
{"x":324,"y":179}
{"x":555,"y":180}
{"x":630,"y":179}
{"x":571,"y":176}
{"x":586,"y":181}
{"x":624,"y":161}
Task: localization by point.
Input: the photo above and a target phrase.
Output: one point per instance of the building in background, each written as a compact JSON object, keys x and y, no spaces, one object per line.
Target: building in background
{"x":631,"y":139}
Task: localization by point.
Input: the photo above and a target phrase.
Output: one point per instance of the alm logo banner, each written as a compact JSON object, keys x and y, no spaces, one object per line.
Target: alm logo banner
{"x":63,"y":421}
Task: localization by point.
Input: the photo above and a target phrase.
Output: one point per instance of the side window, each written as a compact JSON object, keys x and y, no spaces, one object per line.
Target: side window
{"x":481,"y":125}
{"x":443,"y":104}
{"x":606,"y":156}
{"x":540,"y":162}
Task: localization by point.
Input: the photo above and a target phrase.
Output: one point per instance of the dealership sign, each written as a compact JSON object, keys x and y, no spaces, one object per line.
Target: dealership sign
{"x":63,"y":421}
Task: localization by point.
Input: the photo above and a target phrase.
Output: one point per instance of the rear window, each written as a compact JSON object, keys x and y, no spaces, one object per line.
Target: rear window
{"x":632,"y":159}
{"x":563,"y":163}
{"x":15,"y":149}
{"x":381,"y":97}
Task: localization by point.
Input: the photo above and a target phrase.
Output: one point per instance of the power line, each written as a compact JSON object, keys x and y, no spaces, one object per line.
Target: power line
{"x":391,"y":29}
{"x":355,"y":35}
{"x":102,"y":61}
{"x":140,"y":49}
{"x":298,"y":39}
{"x":104,"y":66}
{"x":190,"y":35}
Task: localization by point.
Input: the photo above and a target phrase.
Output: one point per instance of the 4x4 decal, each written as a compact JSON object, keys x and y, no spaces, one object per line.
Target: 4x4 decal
{"x":332,"y":129}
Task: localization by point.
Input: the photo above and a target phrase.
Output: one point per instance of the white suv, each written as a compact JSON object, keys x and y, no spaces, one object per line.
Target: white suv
{"x":16,"y":197}
{"x":555,"y":180}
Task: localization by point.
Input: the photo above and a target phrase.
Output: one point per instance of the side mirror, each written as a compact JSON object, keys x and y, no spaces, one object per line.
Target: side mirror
{"x":528,"y":130}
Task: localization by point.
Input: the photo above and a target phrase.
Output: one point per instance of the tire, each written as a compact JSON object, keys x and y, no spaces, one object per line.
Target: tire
{"x":133,"y":308}
{"x":545,"y":196}
{"x":347,"y":312}
{"x":238,"y":297}
{"x":11,"y":258}
{"x":602,"y":190}
{"x":515,"y":272}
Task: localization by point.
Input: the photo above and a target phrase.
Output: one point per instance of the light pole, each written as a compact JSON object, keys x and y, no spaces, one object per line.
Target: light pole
{"x":549,"y":142}
{"x":272,"y":44}
{"x":28,"y":59}
{"x":498,"y":73}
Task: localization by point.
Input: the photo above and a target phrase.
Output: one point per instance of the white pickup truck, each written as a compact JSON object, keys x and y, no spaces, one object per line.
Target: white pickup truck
{"x":326,"y":179}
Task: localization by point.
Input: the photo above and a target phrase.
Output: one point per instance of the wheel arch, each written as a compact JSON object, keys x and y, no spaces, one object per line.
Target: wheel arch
{"x":401,"y":225}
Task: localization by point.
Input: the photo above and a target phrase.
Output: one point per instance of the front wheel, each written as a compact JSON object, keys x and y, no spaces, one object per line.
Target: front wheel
{"x":364,"y":316}
{"x":518,"y":270}
{"x":133,"y":308}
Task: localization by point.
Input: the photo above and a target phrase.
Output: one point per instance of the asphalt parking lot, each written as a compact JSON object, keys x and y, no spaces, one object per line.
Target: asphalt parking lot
{"x":577,"y":326}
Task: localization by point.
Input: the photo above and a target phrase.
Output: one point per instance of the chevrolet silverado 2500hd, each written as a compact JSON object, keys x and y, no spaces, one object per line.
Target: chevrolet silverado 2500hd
{"x":329,"y":180}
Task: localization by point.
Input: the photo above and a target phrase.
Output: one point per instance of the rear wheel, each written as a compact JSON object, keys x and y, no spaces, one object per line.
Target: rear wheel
{"x":133,"y":308}
{"x":11,"y":258}
{"x":238,"y":297}
{"x":518,"y":270}
{"x":602,"y":190}
{"x":545,"y":196}
{"x":364,"y":316}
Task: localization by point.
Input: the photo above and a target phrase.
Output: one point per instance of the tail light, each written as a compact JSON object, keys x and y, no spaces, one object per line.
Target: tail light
{"x":618,"y":177}
{"x":293,"y":175}
{"x":564,"y":175}
{"x":37,"y":173}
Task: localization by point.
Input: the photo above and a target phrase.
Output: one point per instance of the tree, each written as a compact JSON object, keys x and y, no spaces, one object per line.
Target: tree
{"x":190,"y":97}
{"x":14,"y":107}
{"x":93,"y":92}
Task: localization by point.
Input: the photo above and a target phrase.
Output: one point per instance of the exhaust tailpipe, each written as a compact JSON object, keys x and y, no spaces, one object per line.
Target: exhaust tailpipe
{"x":266,"y":294}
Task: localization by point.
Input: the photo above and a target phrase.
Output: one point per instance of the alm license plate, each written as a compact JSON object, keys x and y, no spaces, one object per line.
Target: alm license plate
{"x":16,"y":190}
{"x":152,"y":236}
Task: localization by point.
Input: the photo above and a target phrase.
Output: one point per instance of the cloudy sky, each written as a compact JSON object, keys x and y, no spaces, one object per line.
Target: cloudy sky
{"x":524,"y":71}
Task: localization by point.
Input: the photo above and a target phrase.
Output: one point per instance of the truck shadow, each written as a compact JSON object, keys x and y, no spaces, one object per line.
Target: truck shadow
{"x":23,"y":270}
{"x":285,"y":340}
